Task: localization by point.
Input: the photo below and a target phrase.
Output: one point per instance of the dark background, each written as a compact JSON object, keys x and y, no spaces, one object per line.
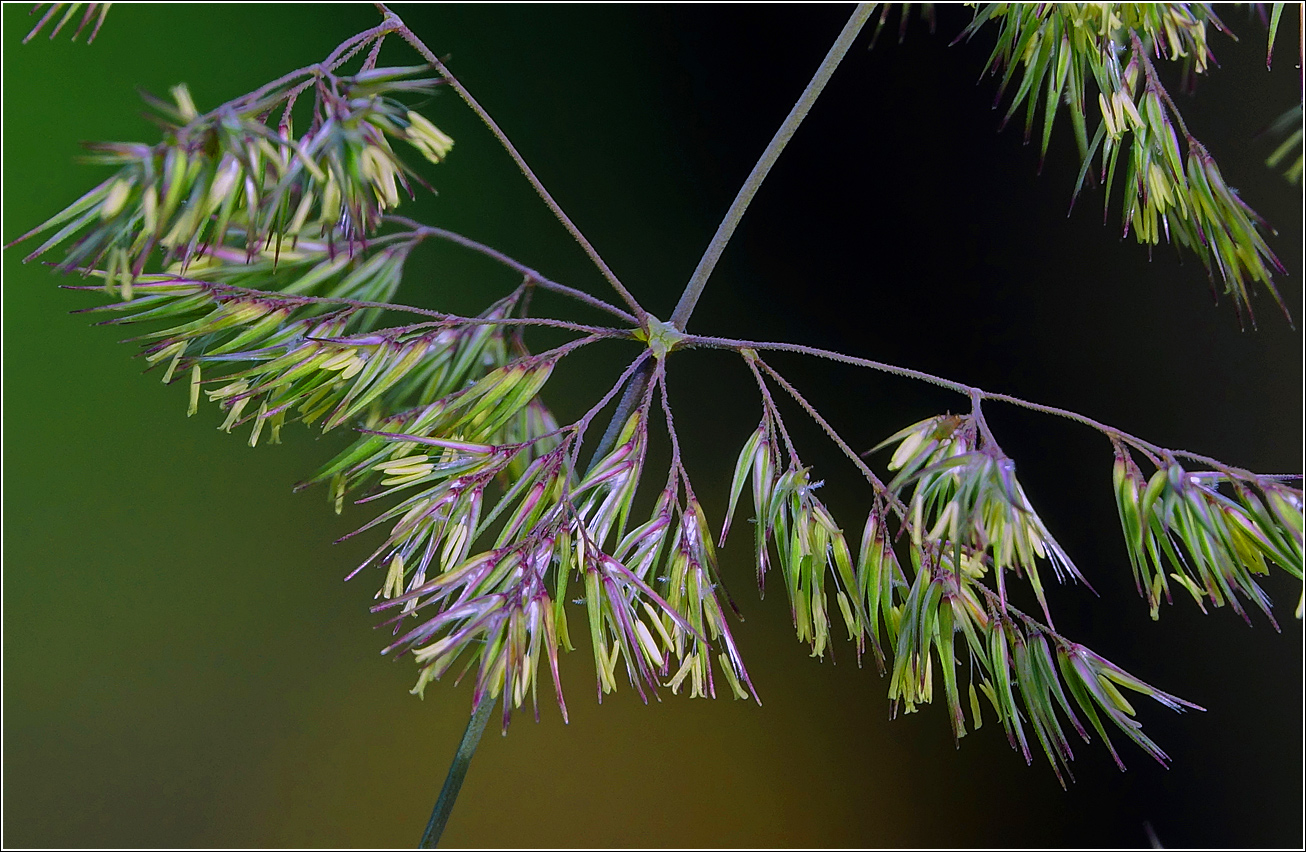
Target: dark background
{"x":183,"y":665}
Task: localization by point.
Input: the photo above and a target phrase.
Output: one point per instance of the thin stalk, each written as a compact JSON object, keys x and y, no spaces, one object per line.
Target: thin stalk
{"x":535,"y":277}
{"x":634,"y":391}
{"x":694,"y":289}
{"x":372,"y":55}
{"x":402,"y":29}
{"x":772,"y":410}
{"x":453,"y":782}
{"x":677,"y":466}
{"x":1154,"y":84}
{"x":694,"y":341}
{"x":977,"y":415}
{"x":337,"y":57}
{"x":874,"y":480}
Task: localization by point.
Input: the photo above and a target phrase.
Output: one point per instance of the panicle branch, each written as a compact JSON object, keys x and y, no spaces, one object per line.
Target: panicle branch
{"x":1150,"y":450}
{"x":1213,"y":543}
{"x":533,"y":278}
{"x":965,"y":521}
{"x":961,"y":514}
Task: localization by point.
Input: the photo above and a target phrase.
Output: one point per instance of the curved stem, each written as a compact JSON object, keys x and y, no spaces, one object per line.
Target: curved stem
{"x":697,"y":281}
{"x":537,"y":279}
{"x":453,"y":782}
{"x":1111,"y":431}
{"x":399,"y":27}
{"x":335,"y":59}
{"x":692,"y":341}
{"x":694,"y":288}
{"x":874,"y":480}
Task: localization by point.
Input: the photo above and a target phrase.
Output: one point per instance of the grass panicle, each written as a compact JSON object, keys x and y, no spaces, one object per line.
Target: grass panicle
{"x":264,"y":265}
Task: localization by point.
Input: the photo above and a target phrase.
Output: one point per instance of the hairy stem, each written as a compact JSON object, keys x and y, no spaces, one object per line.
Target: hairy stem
{"x":772,"y":409}
{"x":977,"y":415}
{"x":874,"y":480}
{"x":372,"y":55}
{"x":584,"y":422}
{"x":1153,"y":83}
{"x":691,"y":341}
{"x":677,"y":467}
{"x":697,"y":281}
{"x":694,"y":341}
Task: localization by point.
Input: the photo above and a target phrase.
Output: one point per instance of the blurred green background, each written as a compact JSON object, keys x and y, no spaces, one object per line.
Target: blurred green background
{"x":183,"y":665}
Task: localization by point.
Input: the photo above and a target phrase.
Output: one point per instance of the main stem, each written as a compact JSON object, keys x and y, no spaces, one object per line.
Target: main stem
{"x":453,"y":782}
{"x":694,"y":289}
{"x":639,"y":380}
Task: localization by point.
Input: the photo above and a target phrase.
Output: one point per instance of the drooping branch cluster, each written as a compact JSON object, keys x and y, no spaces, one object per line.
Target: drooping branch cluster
{"x":273,"y":298}
{"x":304,"y":359}
{"x":956,"y":508}
{"x":228,"y":179}
{"x":1024,"y":670}
{"x":499,"y":580}
{"x":791,"y":521}
{"x":1170,"y":184}
{"x":1212,"y":543}
{"x":964,"y":494}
